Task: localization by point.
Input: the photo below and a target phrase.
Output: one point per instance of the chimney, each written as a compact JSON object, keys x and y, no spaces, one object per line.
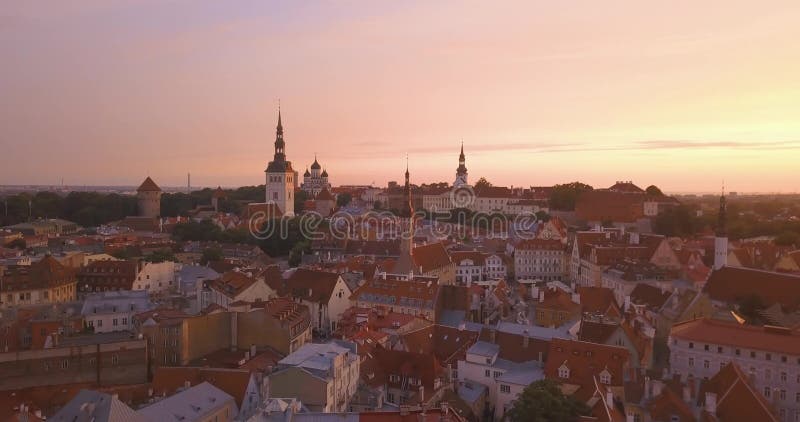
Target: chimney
{"x":150,"y":392}
{"x":609,"y":399}
{"x":526,"y":339}
{"x":541,"y":296}
{"x":687,"y":394}
{"x":627,"y":304}
{"x":711,"y":403}
{"x":493,"y":335}
{"x":647,"y":391}
{"x":629,"y":417}
{"x":576,"y":297}
{"x":422,"y":396}
{"x":187,"y":384}
{"x":234,"y":330}
{"x":252,"y":350}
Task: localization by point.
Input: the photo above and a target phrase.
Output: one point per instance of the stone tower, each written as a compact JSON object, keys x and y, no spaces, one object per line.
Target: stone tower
{"x":280,"y":175}
{"x":149,"y":195}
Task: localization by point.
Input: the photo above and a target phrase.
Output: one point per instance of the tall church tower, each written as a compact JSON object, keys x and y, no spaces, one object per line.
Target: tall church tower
{"x":280,"y":175}
{"x":461,"y":171}
{"x":721,"y":237}
{"x":405,"y":262}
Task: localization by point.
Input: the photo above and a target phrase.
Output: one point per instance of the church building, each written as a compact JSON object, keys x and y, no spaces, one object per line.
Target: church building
{"x":314,"y":181}
{"x":280,"y":175}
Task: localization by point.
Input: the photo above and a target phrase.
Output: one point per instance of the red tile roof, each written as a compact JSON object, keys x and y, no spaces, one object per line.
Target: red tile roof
{"x":585,"y":361}
{"x":431,"y":257}
{"x":731,"y":284}
{"x":712,"y":331}
{"x":148,"y":186}
{"x":448,"y":344}
{"x":736,"y":397}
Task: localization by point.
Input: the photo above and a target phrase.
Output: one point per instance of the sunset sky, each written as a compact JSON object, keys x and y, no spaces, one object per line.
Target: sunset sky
{"x":681,"y":94}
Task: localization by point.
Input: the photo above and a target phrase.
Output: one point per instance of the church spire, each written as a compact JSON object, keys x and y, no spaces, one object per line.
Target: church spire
{"x":723,"y":215}
{"x":280,"y":145}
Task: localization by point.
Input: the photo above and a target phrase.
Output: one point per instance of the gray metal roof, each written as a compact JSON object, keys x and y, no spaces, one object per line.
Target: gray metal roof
{"x":191,"y":404}
{"x":93,"y":406}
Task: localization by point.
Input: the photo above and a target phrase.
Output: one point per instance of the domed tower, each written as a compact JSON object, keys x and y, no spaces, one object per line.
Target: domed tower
{"x":149,"y":195}
{"x":315,"y":168}
{"x":324,"y":176}
{"x":461,"y":171}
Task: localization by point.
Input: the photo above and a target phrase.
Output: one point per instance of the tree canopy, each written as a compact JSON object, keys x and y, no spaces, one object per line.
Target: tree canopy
{"x":343,"y":199}
{"x":654,"y":191}
{"x":563,"y":197}
{"x":483,"y":183}
{"x":543,"y":401}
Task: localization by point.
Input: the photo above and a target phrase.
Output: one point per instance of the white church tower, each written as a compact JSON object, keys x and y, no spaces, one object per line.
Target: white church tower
{"x":721,"y":238}
{"x":280,"y":175}
{"x":461,"y":171}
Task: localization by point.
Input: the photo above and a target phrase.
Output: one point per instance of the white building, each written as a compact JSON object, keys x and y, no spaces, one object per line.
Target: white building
{"x":540,"y":259}
{"x":114,"y":310}
{"x":234,"y":286}
{"x":156,"y":277}
{"x":326,"y":295}
{"x":316,"y":180}
{"x":503,"y":378}
{"x":769,"y":355}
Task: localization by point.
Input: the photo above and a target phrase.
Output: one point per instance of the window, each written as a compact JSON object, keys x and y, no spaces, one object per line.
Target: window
{"x":783,"y":376}
{"x":114,"y":322}
{"x":497,"y":374}
{"x":768,"y":356}
{"x":719,"y":349}
{"x":64,"y":364}
{"x":752,"y":354}
{"x":705,"y":347}
{"x":691,"y":345}
{"x":706,"y":364}
{"x":768,"y":374}
{"x":488,"y":373}
{"x":783,"y":359}
{"x":505,"y":389}
{"x":563,"y":372}
{"x":783,"y":394}
{"x":738,"y":352}
{"x":767,"y":392}
{"x":605,"y":378}
{"x":691,"y":362}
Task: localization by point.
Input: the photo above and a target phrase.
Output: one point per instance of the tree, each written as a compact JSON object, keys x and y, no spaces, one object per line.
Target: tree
{"x":542,"y":216}
{"x":543,"y":401}
{"x":17,"y":244}
{"x":653,"y":190}
{"x":788,"y":238}
{"x":675,"y":221}
{"x":564,"y":197}
{"x":210,"y":255}
{"x":300,"y":198}
{"x":483,"y":183}
{"x":343,"y":199}
{"x":161,"y":255}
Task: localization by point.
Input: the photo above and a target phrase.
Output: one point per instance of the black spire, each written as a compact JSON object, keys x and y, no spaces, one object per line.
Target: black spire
{"x":280,"y":145}
{"x":722,"y":216}
{"x":408,"y":208}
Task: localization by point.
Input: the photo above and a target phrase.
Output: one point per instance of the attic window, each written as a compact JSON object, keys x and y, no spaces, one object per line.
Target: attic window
{"x":563,"y":372}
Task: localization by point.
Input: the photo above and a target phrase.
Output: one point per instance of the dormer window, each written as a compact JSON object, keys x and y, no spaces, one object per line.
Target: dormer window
{"x":605,"y":377}
{"x":563,"y":372}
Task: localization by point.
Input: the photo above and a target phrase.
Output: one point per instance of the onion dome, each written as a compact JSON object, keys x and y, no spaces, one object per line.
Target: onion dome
{"x":324,"y":173}
{"x":307,"y":173}
{"x":316,"y":165}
